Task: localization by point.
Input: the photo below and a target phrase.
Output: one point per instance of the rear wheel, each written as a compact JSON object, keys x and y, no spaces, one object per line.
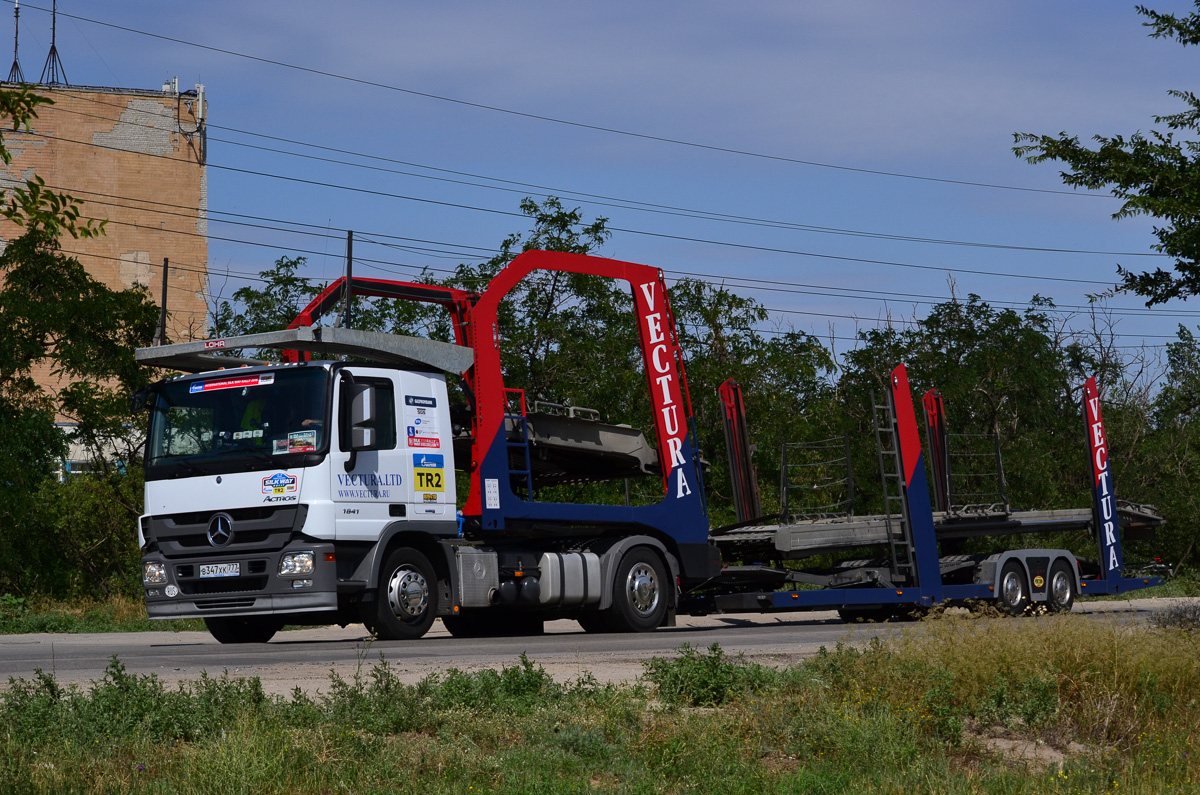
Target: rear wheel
{"x":1014,"y":589}
{"x":639,"y":592}
{"x":406,"y":600}
{"x":243,"y":629}
{"x":1060,"y":597}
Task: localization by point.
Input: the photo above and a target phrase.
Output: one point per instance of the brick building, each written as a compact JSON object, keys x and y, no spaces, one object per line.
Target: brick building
{"x":137,"y":159}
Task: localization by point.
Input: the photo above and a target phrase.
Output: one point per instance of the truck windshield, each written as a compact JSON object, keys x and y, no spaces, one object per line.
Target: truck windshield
{"x":234,"y":422}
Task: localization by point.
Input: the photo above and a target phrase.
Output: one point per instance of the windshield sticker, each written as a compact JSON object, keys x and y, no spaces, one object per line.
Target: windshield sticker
{"x":279,"y":483}
{"x":302,"y":442}
{"x":279,"y":447}
{"x":232,"y":383}
{"x":248,"y":434}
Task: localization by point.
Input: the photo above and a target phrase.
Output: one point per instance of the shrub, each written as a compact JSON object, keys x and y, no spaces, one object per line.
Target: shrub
{"x":703,"y":680}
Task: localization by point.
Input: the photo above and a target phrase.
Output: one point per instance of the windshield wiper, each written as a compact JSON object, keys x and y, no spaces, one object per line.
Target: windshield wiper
{"x":255,"y":452}
{"x":185,"y":465}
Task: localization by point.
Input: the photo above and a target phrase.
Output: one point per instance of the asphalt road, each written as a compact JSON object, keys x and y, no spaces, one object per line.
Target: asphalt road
{"x":305,"y":658}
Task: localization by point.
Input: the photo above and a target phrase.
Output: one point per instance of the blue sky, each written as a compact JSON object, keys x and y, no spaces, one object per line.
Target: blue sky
{"x":931,"y":89}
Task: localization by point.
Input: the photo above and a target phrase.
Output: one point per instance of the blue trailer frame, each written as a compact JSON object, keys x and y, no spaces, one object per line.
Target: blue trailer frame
{"x":929,"y":588}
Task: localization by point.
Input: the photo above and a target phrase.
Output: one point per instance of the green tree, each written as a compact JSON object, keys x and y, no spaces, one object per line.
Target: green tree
{"x":54,"y":317}
{"x":1000,"y":373}
{"x":255,"y":309}
{"x":1154,"y":174}
{"x":1166,"y":469}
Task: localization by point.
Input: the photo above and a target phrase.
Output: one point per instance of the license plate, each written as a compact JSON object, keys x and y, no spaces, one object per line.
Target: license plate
{"x":220,"y":569}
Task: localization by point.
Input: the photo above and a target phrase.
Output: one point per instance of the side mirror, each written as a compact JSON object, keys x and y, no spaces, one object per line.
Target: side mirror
{"x":139,"y":400}
{"x":364,"y":415}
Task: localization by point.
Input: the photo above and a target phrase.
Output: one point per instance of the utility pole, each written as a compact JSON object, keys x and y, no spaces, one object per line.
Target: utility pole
{"x":344,"y":318}
{"x":160,"y":334}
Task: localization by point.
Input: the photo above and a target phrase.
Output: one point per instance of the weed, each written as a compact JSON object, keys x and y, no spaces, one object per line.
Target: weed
{"x":19,"y":615}
{"x":915,"y":713}
{"x":701,"y":680}
{"x":1185,"y":616}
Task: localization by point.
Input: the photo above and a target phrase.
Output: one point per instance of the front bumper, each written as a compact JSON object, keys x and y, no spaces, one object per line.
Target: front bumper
{"x":257,"y":590}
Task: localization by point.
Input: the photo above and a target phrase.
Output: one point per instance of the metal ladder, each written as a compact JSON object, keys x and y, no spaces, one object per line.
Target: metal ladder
{"x":895,"y":495}
{"x":519,"y":420}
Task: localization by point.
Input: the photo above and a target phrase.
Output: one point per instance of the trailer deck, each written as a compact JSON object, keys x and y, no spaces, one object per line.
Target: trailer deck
{"x":836,"y":534}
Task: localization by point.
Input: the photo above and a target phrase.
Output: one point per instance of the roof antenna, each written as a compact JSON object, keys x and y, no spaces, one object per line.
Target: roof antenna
{"x":54,"y":67}
{"x":15,"y":73}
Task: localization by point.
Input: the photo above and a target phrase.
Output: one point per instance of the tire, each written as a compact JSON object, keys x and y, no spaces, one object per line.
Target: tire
{"x":243,"y":629}
{"x":406,"y":600}
{"x":1060,"y":594}
{"x":490,"y":623}
{"x":639,"y":593}
{"x":1012,"y":596}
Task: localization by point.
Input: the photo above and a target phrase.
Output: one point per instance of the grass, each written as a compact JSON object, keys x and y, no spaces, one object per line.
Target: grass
{"x":115,"y":614}
{"x":1089,"y":707}
{"x":1185,"y":584}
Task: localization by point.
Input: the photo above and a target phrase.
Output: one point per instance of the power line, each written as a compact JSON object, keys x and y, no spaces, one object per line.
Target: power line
{"x":882,"y":324}
{"x":661,"y":235}
{"x":769,"y":285}
{"x":571,"y":123}
{"x":615,"y":202}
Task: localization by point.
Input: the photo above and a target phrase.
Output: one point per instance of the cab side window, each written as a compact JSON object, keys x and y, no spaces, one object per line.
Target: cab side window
{"x":386,"y":393}
{"x":385,"y":428}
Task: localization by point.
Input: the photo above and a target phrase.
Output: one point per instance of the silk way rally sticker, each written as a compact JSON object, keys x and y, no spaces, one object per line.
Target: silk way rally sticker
{"x":279,"y":483}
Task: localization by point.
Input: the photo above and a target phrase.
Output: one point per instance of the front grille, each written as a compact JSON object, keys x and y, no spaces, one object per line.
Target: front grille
{"x":255,"y":530}
{"x":224,"y":604}
{"x":224,"y":585}
{"x":243,"y":537}
{"x":237,"y":514}
{"x":187,"y":571}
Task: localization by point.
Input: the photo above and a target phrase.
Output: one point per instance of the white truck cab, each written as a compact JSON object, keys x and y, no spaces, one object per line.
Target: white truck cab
{"x":269,"y":488}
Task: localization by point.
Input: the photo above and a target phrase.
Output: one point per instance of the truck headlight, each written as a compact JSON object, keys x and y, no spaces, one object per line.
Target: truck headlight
{"x":296,"y":563}
{"x":154,"y":573}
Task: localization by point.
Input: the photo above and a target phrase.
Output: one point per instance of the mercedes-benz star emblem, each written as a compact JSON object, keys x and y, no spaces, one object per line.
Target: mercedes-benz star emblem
{"x":220,"y":530}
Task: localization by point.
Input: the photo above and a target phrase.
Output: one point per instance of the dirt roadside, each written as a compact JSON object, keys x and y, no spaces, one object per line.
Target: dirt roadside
{"x":305,"y":658}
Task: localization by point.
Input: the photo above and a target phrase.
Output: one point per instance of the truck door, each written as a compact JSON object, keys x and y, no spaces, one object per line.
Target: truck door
{"x":427,"y":439}
{"x":376,"y":488}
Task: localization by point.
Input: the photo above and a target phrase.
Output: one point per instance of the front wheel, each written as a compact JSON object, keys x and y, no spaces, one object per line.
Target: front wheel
{"x":243,"y":629}
{"x":1061,"y":595}
{"x":406,"y":600}
{"x":1014,"y":589}
{"x":639,"y":593}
